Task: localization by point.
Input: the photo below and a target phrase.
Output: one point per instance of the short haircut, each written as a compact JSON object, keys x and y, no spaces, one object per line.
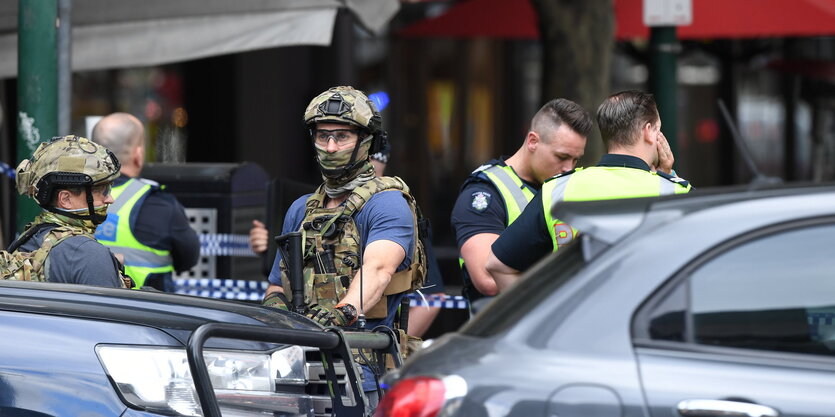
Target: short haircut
{"x":119,"y":132}
{"x":622,"y":115}
{"x":73,"y":190}
{"x":559,"y":111}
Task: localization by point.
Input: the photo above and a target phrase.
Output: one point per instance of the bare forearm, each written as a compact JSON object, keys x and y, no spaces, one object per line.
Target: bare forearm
{"x":475,"y":253}
{"x":504,"y":275}
{"x":380,"y":260}
{"x":371,"y":284}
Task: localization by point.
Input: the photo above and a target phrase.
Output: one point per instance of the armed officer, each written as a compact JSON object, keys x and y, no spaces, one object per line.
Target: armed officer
{"x":495,"y":194}
{"x":70,"y":177}
{"x":146,"y":225}
{"x":362,"y":252}
{"x":638,"y":164}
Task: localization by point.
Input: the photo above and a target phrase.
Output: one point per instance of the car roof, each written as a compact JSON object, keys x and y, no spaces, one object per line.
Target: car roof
{"x":607,"y":223}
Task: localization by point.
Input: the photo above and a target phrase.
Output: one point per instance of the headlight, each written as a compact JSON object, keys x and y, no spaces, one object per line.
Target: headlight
{"x":159,"y":379}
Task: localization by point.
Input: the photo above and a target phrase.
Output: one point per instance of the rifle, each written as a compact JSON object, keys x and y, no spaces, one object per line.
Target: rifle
{"x":290,"y":246}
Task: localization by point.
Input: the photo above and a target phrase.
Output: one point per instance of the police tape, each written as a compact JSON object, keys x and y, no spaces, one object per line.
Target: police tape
{"x":6,"y":170}
{"x":239,"y":289}
{"x":219,"y":244}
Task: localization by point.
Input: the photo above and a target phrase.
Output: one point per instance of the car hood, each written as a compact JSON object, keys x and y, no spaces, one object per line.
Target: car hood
{"x":177,"y":315}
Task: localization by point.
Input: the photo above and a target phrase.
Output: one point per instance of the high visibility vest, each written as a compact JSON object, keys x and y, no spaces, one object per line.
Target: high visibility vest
{"x":601,"y":183}
{"x":140,"y":260}
{"x":515,"y":193}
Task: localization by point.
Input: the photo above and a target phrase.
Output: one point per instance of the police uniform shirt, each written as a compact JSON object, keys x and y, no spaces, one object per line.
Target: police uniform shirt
{"x":161,"y":223}
{"x":77,"y":260}
{"x":480,"y":209}
{"x":527,"y":240}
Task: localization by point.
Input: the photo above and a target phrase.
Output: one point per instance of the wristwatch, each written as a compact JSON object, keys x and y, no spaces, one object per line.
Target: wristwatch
{"x":349,"y":311}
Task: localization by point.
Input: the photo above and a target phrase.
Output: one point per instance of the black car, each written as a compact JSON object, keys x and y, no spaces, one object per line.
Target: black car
{"x":714,"y":304}
{"x":76,"y":350}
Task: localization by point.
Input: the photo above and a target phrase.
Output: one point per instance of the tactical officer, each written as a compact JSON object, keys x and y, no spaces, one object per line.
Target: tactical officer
{"x":495,"y":193}
{"x":362,"y":252}
{"x":146,"y":225}
{"x":70,"y":178}
{"x":638,"y":164}
{"x":420,"y":318}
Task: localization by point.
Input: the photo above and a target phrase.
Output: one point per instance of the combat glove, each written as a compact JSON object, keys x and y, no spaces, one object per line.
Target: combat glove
{"x":276,"y":300}
{"x":340,"y":315}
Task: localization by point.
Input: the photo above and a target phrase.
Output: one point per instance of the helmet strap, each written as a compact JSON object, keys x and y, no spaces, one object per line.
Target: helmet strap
{"x":91,"y":209}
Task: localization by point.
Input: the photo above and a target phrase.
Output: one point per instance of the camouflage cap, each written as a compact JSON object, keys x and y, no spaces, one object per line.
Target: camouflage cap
{"x":344,"y":105}
{"x":64,"y":162}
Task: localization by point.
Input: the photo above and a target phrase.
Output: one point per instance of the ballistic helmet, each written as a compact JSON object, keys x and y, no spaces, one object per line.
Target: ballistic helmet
{"x":65,"y":162}
{"x":347,"y":105}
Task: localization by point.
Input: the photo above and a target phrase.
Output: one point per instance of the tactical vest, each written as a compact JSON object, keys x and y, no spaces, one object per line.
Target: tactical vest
{"x":601,"y":183}
{"x":31,"y":266}
{"x":332,"y":247}
{"x":116,"y":233}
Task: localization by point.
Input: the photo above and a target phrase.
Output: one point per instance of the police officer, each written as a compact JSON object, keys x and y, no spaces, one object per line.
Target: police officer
{"x":495,"y":193}
{"x":638,"y":164}
{"x":361,"y":231}
{"x":147,"y":226}
{"x":70,"y":178}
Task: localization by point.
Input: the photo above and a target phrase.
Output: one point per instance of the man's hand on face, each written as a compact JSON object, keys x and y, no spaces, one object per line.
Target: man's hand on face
{"x":665,"y":154}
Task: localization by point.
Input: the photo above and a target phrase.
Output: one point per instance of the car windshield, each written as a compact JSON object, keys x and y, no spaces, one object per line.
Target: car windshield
{"x":538,"y":283}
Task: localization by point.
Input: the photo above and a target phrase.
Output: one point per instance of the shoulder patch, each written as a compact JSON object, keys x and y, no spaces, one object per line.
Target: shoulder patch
{"x":480,"y":200}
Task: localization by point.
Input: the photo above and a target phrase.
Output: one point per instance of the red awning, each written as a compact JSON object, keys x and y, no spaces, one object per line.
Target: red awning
{"x":516,"y":19}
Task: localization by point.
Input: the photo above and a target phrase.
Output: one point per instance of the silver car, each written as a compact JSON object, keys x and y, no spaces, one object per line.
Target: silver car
{"x":712,"y":304}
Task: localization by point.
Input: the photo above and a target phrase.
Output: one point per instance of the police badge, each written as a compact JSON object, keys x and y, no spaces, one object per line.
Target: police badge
{"x":480,"y":200}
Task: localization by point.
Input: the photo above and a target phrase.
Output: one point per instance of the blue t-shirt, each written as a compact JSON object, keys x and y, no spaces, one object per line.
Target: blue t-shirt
{"x":386,"y":216}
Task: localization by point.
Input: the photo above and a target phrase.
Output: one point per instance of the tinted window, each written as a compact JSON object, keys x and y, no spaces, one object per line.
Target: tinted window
{"x":772,"y":293}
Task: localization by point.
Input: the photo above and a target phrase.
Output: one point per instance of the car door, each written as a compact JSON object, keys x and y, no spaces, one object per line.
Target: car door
{"x":746,"y":329}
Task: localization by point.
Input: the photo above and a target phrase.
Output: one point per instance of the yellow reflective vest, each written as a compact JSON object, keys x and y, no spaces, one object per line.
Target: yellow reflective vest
{"x":515,"y":193}
{"x":601,"y":183}
{"x":140,"y":260}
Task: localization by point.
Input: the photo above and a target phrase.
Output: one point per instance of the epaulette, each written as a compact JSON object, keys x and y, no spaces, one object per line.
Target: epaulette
{"x":673,"y":178}
{"x":154,"y":185}
{"x":481,"y":168}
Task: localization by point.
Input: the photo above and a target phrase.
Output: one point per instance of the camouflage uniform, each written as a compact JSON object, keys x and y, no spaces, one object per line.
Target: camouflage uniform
{"x":67,"y":162}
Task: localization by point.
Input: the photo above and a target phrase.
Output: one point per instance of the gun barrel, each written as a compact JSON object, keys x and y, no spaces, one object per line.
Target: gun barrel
{"x":291,"y":243}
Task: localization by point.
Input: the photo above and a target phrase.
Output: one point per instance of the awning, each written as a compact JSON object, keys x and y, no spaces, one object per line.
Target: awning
{"x":129,"y":33}
{"x":516,"y":19}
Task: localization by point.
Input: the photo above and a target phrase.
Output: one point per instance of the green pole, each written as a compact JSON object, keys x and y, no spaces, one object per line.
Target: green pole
{"x":664,"y":48}
{"x":37,"y":86}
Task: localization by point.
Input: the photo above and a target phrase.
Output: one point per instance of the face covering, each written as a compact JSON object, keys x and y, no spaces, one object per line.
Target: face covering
{"x":100,"y":210}
{"x":333,"y":164}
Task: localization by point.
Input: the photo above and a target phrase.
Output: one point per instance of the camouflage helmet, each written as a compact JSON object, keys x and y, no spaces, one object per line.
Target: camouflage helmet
{"x":65,"y":162}
{"x":347,"y":105}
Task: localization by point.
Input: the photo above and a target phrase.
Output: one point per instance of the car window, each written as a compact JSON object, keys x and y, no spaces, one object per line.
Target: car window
{"x":774,"y":292}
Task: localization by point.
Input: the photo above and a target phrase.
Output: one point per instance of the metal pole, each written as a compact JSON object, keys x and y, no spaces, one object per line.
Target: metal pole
{"x":37,"y":90}
{"x":664,"y":49}
{"x":64,"y":66}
